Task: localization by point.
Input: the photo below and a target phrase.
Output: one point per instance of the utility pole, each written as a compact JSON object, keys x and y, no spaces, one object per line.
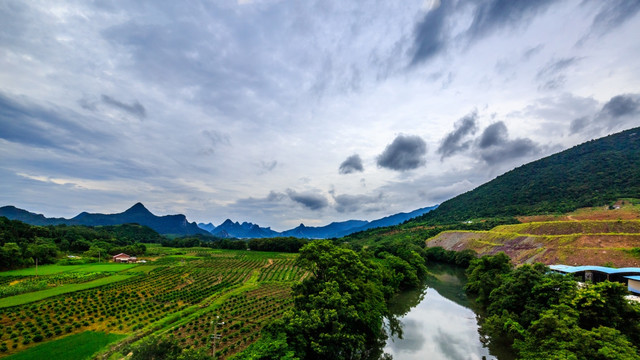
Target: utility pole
{"x":215,"y":336}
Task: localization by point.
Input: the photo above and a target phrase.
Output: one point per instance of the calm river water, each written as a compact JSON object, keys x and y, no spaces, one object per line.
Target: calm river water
{"x":439,"y":322}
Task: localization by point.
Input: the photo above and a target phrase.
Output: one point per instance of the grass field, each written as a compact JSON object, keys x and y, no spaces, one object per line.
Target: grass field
{"x":57,"y":269}
{"x":74,"y":347}
{"x":59,"y":290}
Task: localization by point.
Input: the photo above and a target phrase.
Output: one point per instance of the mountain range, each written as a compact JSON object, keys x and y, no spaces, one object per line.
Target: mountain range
{"x":179,"y":225}
{"x":138,"y":213}
{"x":334,"y":230}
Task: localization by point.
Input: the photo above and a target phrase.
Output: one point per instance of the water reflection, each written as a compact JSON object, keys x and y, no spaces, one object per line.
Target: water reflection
{"x":438,"y":321}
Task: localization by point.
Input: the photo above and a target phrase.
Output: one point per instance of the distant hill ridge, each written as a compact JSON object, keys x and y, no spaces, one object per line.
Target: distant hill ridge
{"x":179,"y":225}
{"x":594,"y":173}
{"x":138,"y":213}
{"x":333,"y":230}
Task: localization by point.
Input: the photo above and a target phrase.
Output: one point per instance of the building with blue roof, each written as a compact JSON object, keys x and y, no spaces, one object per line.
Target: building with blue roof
{"x":599,"y":273}
{"x":629,"y":276}
{"x":634,"y":284}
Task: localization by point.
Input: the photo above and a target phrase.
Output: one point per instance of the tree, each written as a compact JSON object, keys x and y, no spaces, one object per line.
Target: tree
{"x":485,"y":274}
{"x":338,"y":311}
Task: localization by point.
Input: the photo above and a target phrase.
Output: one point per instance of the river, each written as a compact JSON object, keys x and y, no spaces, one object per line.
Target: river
{"x":439,"y":322}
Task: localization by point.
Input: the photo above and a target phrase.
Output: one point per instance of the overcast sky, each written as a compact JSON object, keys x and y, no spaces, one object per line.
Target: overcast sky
{"x":282,"y":112}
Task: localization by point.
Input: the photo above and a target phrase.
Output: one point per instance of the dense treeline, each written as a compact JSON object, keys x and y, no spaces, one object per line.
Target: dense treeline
{"x":545,"y":315}
{"x":460,"y":258}
{"x":279,"y":244}
{"x":21,"y":244}
{"x":205,"y":241}
{"x":591,"y":174}
{"x":339,"y":311}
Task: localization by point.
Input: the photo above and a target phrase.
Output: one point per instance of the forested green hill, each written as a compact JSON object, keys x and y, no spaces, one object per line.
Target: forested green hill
{"x":595,"y":173}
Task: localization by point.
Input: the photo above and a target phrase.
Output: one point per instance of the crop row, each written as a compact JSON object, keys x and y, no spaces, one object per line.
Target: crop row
{"x":238,"y":321}
{"x":126,"y":305}
{"x":281,"y":270}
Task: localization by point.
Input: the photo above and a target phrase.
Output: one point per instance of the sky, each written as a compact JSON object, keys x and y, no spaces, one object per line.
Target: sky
{"x":283,"y":112}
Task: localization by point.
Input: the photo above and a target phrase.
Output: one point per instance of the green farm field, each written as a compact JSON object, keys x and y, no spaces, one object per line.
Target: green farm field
{"x":57,"y":269}
{"x":59,"y":290}
{"x":77,"y":346}
{"x":180,"y":293}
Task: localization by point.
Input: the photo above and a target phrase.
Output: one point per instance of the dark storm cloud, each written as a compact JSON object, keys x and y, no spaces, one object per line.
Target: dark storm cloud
{"x":619,"y":110}
{"x":511,"y":149}
{"x":136,"y":109}
{"x":352,"y":164}
{"x":350,"y":203}
{"x":309,"y":200}
{"x":492,"y":15}
{"x":26,"y":123}
{"x":578,"y":124}
{"x":621,"y":105}
{"x":404,"y":153}
{"x":454,"y":141}
{"x":495,"y":146}
{"x":613,"y":14}
{"x":430,"y":34}
{"x":494,"y":134}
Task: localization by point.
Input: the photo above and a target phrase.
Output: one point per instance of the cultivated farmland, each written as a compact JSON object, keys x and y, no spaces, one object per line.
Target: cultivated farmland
{"x":181,"y":295}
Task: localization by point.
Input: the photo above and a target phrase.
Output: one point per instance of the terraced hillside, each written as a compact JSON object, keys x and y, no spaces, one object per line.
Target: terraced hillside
{"x":575,"y":239}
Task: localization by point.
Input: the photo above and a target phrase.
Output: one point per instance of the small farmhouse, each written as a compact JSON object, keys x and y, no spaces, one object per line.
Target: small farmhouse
{"x":124,"y":258}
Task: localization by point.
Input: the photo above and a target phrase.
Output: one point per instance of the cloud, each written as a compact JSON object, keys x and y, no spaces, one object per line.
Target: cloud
{"x":494,"y":134}
{"x":495,"y":146}
{"x":511,"y":149}
{"x":267,"y":166}
{"x":404,"y":153}
{"x":621,"y":105}
{"x":352,"y":164}
{"x":492,"y":15}
{"x":551,"y":75}
{"x":578,"y":124}
{"x":309,"y":200}
{"x":27,"y":123}
{"x":619,"y":110}
{"x":430,"y":32}
{"x":613,"y":13}
{"x":453,"y":142}
{"x":351,"y":203}
{"x":136,"y":109}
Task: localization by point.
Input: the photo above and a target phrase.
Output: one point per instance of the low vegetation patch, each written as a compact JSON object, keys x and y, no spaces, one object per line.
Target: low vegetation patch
{"x":77,"y":346}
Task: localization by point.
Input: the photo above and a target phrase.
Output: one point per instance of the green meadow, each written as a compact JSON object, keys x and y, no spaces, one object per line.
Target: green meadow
{"x":74,"y":347}
{"x":57,"y":269}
